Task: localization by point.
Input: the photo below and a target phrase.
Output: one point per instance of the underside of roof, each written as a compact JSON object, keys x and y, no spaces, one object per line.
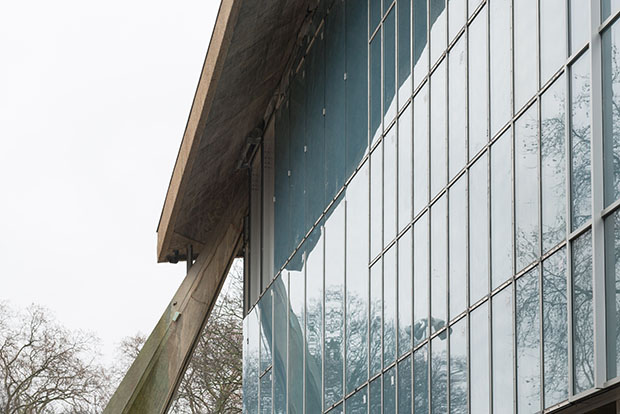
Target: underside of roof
{"x":250,"y":49}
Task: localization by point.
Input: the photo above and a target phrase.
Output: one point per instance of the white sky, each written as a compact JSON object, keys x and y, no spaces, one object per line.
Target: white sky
{"x":94,"y":97}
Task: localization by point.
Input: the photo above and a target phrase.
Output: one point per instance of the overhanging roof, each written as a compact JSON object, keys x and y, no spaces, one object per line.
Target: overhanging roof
{"x":248,"y":53}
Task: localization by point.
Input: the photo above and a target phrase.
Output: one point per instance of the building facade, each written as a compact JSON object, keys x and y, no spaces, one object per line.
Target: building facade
{"x":434,"y":213}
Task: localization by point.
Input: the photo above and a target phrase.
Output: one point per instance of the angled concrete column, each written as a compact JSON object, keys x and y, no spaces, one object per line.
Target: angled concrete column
{"x":150,"y":383}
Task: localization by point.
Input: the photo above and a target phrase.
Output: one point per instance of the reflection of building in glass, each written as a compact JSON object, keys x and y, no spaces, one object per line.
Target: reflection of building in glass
{"x":434,"y":202}
{"x":447,"y":238}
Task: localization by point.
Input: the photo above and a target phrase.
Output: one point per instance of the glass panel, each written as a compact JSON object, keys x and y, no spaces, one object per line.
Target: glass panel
{"x":389,"y":186}
{"x":404,"y":51}
{"x":375,"y":15}
{"x":314,"y":320}
{"x":612,"y":256}
{"x":439,"y":375}
{"x":458,"y":367}
{"x":457,"y":111}
{"x":265,"y":393}
{"x":526,"y":194}
{"x":280,"y":321}
{"x":438,"y":129}
{"x":256,"y":178}
{"x":375,"y":396}
{"x":555,"y":328}
{"x":356,"y":85}
{"x":266,"y":325}
{"x":553,"y":165}
{"x":296,"y":334}
{"x":356,"y":404}
{"x":583,"y":329}
{"x":389,"y":391}
{"x":579,"y":24}
{"x":478,"y":88}
{"x":404,"y":385}
{"x":472,"y":6}
{"x":552,"y":40}
{"x":251,"y":362}
{"x":525,"y":63}
{"x":389,"y":66}
{"x":456,"y":10}
{"x":357,"y":279}
{"x":500,"y":20}
{"x":479,"y":349}
{"x":439,"y":246}
{"x":298,"y":158}
{"x":458,"y":246}
{"x":334,"y":100}
{"x":528,"y":343}
{"x":376,"y":201}
{"x":281,"y":189}
{"x":389,"y":306}
{"x":315,"y":136}
{"x":405,"y":291}
{"x":336,"y":410}
{"x":420,"y":280}
{"x":420,"y":41}
{"x":503,"y":376}
{"x":608,"y":7}
{"x":501,"y":208}
{"x":405,"y":169}
{"x":375,"y":89}
{"x":376,"y":308}
{"x":334,"y":304}
{"x":420,"y":151}
{"x":420,"y":380}
{"x":611,"y":115}
{"x":438,"y":29}
{"x":581,"y":184}
{"x":478,"y":230}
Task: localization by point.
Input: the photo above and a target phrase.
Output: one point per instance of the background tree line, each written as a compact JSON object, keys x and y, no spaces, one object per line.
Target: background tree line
{"x":46,"y":368}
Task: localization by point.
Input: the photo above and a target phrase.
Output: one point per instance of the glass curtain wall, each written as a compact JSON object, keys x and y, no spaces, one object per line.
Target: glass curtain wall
{"x":446,"y":211}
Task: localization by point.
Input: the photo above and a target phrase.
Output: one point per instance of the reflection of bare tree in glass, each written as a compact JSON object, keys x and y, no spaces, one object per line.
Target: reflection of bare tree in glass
{"x":334,"y":335}
{"x":458,"y":385}
{"x":555,"y":329}
{"x":526,"y":161}
{"x":611,"y":129}
{"x":583,"y":334}
{"x":357,"y":329}
{"x":611,"y":114}
{"x":553,"y":164}
{"x":528,"y":343}
{"x":613,"y":294}
{"x":581,"y":184}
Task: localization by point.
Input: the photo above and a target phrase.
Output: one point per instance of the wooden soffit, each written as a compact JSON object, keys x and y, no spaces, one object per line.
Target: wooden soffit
{"x":247,"y":56}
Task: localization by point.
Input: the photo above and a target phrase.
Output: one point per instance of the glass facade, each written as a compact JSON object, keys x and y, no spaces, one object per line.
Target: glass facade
{"x":434,"y":220}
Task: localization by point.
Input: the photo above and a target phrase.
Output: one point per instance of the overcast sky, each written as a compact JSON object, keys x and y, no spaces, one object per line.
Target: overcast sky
{"x":94,"y":97}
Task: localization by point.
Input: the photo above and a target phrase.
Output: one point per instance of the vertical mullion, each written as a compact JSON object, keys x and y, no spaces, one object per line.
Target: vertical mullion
{"x":541,"y":363}
{"x":368,"y":33}
{"x":513,"y":208}
{"x":598,"y":229}
{"x":344,"y":293}
{"x":273,"y":337}
{"x":568,"y":120}
{"x":489,"y":195}
{"x":428,"y":190}
{"x":288,"y":333}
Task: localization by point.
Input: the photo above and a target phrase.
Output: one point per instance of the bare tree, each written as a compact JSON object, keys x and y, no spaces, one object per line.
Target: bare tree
{"x":213,"y":380}
{"x":45,"y":368}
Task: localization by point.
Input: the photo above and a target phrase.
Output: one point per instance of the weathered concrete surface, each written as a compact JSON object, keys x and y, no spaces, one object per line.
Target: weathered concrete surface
{"x":249,"y":51}
{"x":150,"y":383}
